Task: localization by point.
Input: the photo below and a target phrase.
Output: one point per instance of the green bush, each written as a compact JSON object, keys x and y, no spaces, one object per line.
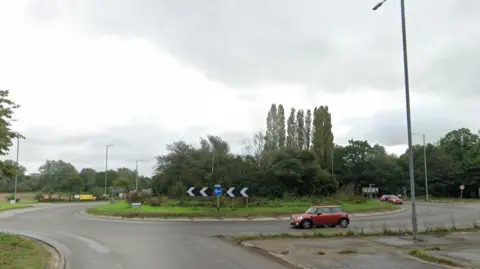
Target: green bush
{"x":138,"y":197}
{"x":156,"y":201}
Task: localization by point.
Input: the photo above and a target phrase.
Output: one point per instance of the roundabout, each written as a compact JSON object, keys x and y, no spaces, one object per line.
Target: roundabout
{"x":88,"y":242}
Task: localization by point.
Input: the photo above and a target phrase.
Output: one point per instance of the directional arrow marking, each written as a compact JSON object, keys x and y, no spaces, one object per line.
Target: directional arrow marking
{"x":230,"y":192}
{"x":243,"y":192}
{"x":202,"y":192}
{"x":190,"y":191}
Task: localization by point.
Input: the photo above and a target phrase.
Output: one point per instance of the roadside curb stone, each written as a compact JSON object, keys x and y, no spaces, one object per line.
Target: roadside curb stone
{"x":163,"y":219}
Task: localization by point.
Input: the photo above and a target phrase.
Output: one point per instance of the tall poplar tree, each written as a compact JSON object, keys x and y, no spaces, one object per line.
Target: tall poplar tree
{"x":280,"y":126}
{"x":301,"y":130}
{"x":291,"y":130}
{"x":271,"y":132}
{"x":308,"y":129}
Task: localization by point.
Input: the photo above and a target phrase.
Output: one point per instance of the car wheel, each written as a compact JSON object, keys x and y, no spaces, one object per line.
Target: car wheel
{"x":307,"y":224}
{"x":343,"y":223}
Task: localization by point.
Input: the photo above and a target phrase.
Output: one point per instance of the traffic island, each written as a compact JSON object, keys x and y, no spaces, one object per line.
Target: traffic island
{"x":21,"y":252}
{"x":125,"y":211}
{"x":433,"y":248}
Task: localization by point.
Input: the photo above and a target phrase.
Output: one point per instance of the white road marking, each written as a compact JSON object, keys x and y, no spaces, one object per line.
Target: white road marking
{"x":90,"y":242}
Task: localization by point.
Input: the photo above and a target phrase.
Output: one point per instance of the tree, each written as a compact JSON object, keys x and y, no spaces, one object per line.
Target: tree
{"x":308,"y":128}
{"x":280,"y":127}
{"x":318,"y":133}
{"x":292,"y":130}
{"x":88,"y":176}
{"x":7,"y":110}
{"x":123,"y":183}
{"x":271,"y":132}
{"x":258,"y":146}
{"x":301,"y":131}
{"x":60,"y":176}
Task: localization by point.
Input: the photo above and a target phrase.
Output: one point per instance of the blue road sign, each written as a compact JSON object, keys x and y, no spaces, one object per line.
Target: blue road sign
{"x":218,"y":190}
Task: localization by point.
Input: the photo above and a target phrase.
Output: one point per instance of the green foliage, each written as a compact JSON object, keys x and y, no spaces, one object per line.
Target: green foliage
{"x":124,"y":183}
{"x":7,"y":109}
{"x":96,"y":191}
{"x":138,"y":197}
{"x":315,"y":166}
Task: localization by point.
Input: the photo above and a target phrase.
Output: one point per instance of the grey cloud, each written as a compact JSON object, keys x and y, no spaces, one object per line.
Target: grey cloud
{"x":130,"y":142}
{"x":389,"y":128}
{"x":329,"y":45}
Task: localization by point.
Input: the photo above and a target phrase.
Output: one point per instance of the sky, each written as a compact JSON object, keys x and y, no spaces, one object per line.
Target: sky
{"x":142,"y":74}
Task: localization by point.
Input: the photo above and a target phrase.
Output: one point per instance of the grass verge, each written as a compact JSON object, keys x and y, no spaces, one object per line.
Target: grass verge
{"x":8,"y":206}
{"x":349,"y":233}
{"x":123,"y":209}
{"x":22,"y":253}
{"x":423,"y":255}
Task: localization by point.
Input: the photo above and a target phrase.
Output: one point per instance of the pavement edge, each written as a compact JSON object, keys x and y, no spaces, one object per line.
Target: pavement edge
{"x":62,"y":262}
{"x":282,"y":259}
{"x":84,"y":213}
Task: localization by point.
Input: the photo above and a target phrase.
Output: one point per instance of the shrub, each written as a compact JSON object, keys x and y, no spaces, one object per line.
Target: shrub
{"x":138,"y":197}
{"x":38,"y":197}
{"x":156,"y":201}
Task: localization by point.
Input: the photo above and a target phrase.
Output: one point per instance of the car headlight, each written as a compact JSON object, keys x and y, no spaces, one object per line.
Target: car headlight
{"x":299,"y":218}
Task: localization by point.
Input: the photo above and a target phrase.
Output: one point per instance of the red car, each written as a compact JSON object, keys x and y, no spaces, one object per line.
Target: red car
{"x":331,"y":216}
{"x":395,"y":200}
{"x":386,"y":197}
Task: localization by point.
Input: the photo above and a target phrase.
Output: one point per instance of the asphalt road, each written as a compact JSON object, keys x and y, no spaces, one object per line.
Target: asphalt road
{"x":96,"y":243}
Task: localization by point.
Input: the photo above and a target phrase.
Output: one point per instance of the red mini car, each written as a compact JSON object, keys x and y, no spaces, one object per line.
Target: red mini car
{"x":386,"y":197}
{"x":331,"y":216}
{"x":395,"y":200}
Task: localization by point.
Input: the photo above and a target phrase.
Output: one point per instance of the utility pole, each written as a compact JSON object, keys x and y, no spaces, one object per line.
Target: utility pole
{"x":17,"y":169}
{"x":136,"y":174}
{"x":106,"y":167}
{"x":408,"y":114}
{"x":425,"y":165}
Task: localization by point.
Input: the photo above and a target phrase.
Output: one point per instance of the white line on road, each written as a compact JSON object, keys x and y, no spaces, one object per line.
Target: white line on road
{"x":90,"y":242}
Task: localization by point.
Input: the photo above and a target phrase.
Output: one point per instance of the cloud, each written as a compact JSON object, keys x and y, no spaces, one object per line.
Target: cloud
{"x":142,"y":74}
{"x":324,"y":45}
{"x":433,"y":117}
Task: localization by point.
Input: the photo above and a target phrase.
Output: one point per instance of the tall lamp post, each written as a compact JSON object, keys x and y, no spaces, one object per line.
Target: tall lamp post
{"x":409,"y":122}
{"x":136,"y":174}
{"x":106,"y":166}
{"x":425,"y":165}
{"x":16,"y":169}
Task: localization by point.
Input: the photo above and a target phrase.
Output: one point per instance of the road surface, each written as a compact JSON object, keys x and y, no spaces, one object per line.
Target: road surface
{"x":111,"y":244}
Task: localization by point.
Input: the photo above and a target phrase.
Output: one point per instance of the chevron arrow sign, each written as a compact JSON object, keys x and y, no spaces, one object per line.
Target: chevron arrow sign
{"x":237,"y":192}
{"x":199,"y":192}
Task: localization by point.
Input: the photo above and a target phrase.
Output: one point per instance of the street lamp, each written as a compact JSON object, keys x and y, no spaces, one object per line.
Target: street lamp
{"x":16,"y":169}
{"x":409,"y":121}
{"x":106,"y":166}
{"x":425,"y":164}
{"x":136,"y":174}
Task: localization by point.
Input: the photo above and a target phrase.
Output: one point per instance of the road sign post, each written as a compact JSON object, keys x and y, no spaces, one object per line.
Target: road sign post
{"x":218,"y":192}
{"x":462,"y":187}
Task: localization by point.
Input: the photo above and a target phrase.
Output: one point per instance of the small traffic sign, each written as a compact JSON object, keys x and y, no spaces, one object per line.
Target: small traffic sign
{"x":462,"y":187}
{"x":218,"y":190}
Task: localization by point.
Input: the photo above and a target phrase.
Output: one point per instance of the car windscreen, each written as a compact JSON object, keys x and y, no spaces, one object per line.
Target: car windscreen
{"x":311,"y":210}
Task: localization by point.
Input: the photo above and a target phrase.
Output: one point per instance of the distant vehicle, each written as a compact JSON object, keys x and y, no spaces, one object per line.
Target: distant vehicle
{"x":331,"y":216}
{"x":386,"y":197}
{"x":395,"y":200}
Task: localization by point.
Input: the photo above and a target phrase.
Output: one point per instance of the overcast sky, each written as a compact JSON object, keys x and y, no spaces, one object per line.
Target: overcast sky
{"x":143,"y":73}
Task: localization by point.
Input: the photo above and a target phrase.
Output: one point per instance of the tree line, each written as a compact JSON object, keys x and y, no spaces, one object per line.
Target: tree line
{"x":59,"y":176}
{"x":295,"y":156}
